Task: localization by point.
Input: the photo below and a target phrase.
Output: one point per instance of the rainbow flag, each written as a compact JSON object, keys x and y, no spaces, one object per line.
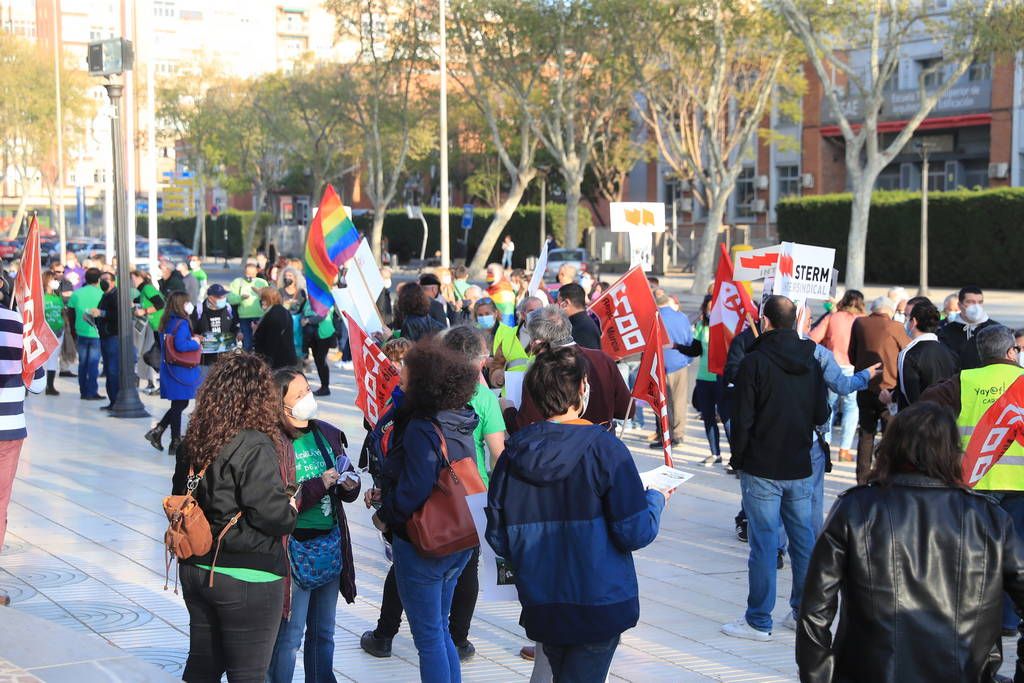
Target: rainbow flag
{"x":333,"y":239}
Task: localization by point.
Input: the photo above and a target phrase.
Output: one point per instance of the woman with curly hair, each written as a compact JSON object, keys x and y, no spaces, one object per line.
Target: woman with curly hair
{"x":438,"y":386}
{"x":234,"y":458}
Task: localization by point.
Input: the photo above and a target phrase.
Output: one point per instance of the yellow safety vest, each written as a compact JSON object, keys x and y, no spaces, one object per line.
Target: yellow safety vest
{"x":506,"y":340}
{"x":979,"y":389}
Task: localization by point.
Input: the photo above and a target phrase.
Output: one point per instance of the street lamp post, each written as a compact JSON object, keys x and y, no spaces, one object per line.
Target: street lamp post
{"x":445,"y":240}
{"x":923,"y":148}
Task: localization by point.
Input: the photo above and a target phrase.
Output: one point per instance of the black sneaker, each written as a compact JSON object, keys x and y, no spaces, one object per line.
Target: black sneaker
{"x":66,"y":373}
{"x":372,"y":645}
{"x":51,"y":391}
{"x":322,"y":391}
{"x":466,"y":650}
{"x":741,"y":531}
{"x":780,"y":562}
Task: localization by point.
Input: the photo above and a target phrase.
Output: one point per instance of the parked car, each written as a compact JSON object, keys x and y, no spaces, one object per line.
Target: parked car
{"x":573,"y":257}
{"x":169,"y":249}
{"x":10,"y":249}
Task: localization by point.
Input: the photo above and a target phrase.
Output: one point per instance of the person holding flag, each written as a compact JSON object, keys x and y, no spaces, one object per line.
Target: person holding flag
{"x":677,"y":361}
{"x":969,"y":395}
{"x":26,"y":342}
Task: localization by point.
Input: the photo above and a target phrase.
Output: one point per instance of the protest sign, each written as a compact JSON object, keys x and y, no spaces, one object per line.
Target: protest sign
{"x":625,"y":313}
{"x":755,"y":264}
{"x":376,"y":376}
{"x":537,"y":279}
{"x":497,"y":580}
{"x":650,"y":385}
{"x":641,"y":250}
{"x":804,"y":272}
{"x":999,"y":427}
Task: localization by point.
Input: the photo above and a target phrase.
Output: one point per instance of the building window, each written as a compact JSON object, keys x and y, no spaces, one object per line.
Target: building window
{"x":163,"y":9}
{"x":936,"y":177}
{"x":745,"y":193}
{"x":789,"y":180}
{"x":934,"y":78}
{"x":888,"y":179}
{"x":979,"y":71}
{"x":892,"y":84}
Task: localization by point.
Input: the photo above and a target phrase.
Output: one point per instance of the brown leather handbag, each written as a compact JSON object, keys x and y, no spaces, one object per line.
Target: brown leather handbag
{"x":185,"y":359}
{"x":444,"y":524}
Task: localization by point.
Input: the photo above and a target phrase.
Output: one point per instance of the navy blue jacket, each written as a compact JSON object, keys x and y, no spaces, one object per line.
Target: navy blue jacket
{"x":566,"y":508}
{"x":414,"y":460}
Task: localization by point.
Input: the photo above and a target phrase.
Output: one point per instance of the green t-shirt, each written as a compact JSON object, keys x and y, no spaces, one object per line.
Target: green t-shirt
{"x":700,"y":333}
{"x":245,"y":296}
{"x":244,"y":574}
{"x":199,"y":274}
{"x":309,"y":463}
{"x":485,"y":404}
{"x":325,"y":330}
{"x":83,"y":300}
{"x":146,"y":296}
{"x":53,"y":311}
{"x":460,"y":287}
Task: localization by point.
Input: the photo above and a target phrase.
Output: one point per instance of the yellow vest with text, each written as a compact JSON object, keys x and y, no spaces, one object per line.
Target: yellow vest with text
{"x":979,"y":389}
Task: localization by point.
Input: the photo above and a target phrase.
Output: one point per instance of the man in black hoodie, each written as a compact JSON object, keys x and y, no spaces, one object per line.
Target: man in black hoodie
{"x":780,"y":399}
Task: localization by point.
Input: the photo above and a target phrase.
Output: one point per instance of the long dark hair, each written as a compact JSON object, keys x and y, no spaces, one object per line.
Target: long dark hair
{"x":437,"y":378}
{"x":282,"y":380}
{"x":923,"y":439}
{"x":238,"y":394}
{"x":175,"y":306}
{"x":412,"y":300}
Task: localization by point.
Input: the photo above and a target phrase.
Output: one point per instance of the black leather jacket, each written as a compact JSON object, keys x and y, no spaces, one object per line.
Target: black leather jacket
{"x":922,"y":567}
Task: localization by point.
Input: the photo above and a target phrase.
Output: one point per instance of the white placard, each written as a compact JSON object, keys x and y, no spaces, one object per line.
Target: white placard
{"x":664,"y":478}
{"x":369,"y":273}
{"x":490,"y":588}
{"x":641,"y":250}
{"x":354,"y":301}
{"x":537,"y":279}
{"x":755,"y":264}
{"x":637,"y":216}
{"x":804,"y":272}
{"x":514,"y":387}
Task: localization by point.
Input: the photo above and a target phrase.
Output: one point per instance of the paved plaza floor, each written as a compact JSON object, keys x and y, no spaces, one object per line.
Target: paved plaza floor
{"x":84,"y":551}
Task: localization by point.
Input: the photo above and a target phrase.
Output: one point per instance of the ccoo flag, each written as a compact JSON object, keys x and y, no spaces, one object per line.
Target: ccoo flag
{"x":731,"y":310}
{"x":333,"y":239}
{"x":40,"y":341}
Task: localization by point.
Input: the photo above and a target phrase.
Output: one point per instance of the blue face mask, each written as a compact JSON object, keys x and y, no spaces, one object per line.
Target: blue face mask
{"x":220,"y":304}
{"x":485,"y":322}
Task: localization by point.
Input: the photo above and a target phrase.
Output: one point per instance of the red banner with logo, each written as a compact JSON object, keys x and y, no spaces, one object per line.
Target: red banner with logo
{"x":731,"y":308}
{"x":650,"y":381}
{"x":625,"y":313}
{"x":999,"y":427}
{"x":39,"y":340}
{"x":376,"y":376}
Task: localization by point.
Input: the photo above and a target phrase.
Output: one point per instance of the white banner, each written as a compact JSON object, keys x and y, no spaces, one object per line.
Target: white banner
{"x":496,"y":584}
{"x":804,"y":272}
{"x":755,"y":264}
{"x":641,"y":250}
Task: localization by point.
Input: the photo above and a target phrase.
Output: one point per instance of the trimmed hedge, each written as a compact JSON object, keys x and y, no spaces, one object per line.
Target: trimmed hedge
{"x":974,"y":236}
{"x":405,"y":235}
{"x":183,"y":230}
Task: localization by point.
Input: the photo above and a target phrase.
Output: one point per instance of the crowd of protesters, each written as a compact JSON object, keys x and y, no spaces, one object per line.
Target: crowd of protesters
{"x":511,"y":389}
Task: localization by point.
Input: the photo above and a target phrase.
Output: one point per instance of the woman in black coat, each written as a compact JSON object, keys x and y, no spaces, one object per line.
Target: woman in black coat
{"x":273,"y":338}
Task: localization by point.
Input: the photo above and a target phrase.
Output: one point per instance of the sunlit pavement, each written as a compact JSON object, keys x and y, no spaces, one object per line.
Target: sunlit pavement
{"x":84,"y":550}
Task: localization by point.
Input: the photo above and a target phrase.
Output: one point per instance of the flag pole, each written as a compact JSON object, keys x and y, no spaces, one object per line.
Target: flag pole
{"x":629,"y":409}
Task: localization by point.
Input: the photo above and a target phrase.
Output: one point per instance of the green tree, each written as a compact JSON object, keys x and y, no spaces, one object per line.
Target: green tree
{"x":856,"y":92}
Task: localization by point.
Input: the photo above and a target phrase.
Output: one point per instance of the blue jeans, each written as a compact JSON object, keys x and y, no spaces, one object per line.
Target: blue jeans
{"x":245,"y":325}
{"x":818,"y":459}
{"x":506,"y":259}
{"x":427,"y":586}
{"x":313,"y":614}
{"x":850,"y":412}
{"x":110,"y":349}
{"x":1013,"y":503}
{"x":765,"y":502}
{"x":581,"y":663}
{"x":88,"y":366}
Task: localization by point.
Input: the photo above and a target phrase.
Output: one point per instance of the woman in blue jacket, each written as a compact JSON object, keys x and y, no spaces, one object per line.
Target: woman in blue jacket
{"x":566,"y":509}
{"x":178,"y":383}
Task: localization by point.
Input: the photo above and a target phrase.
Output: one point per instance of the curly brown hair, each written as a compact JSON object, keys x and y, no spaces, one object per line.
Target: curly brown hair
{"x":412,"y":300}
{"x":437,"y":379}
{"x":238,"y":394}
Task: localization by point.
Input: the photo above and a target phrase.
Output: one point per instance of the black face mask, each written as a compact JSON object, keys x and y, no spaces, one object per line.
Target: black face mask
{"x":289,"y":282}
{"x":105,"y":285}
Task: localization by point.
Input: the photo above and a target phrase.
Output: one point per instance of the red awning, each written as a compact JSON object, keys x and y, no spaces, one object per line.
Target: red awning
{"x":937,"y":123}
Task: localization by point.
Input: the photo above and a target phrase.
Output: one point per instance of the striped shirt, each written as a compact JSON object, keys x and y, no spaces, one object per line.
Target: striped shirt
{"x":12,"y":385}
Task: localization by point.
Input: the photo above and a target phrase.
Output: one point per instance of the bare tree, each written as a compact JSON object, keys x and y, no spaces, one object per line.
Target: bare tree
{"x":707,"y":96}
{"x":622,"y":144}
{"x":855,"y":91}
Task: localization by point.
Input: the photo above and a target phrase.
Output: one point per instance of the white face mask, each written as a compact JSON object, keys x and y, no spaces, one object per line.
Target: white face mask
{"x":974,"y":313}
{"x":305,"y":408}
{"x":190,"y":308}
{"x":55,"y":285}
{"x":899,"y":317}
{"x":585,"y":398}
{"x":1020,"y":358}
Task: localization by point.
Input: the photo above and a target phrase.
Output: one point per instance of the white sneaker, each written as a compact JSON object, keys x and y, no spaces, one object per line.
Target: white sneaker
{"x":741,"y":629}
{"x":788,"y":621}
{"x":345,"y":365}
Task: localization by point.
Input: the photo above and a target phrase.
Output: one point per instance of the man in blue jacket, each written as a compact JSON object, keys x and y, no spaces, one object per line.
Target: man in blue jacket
{"x":566,"y":509}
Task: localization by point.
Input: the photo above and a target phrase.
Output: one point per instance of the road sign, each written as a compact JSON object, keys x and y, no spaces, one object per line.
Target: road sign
{"x":214,"y":211}
{"x":467,"y":217}
{"x":644,"y":216}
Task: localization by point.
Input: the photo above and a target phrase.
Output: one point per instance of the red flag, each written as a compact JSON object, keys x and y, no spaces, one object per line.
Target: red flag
{"x":730,"y":309}
{"x":40,"y":341}
{"x":625,"y":313}
{"x":376,"y":376}
{"x":650,"y":381}
{"x":999,"y":427}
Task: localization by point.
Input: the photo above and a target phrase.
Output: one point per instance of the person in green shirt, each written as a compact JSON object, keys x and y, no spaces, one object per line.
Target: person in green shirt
{"x":321,"y":334}
{"x":708,"y":391}
{"x":53,"y":311}
{"x":325,"y":478}
{"x":150,"y":307}
{"x":244,"y":295}
{"x":196,"y":266}
{"x":82,"y":301}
